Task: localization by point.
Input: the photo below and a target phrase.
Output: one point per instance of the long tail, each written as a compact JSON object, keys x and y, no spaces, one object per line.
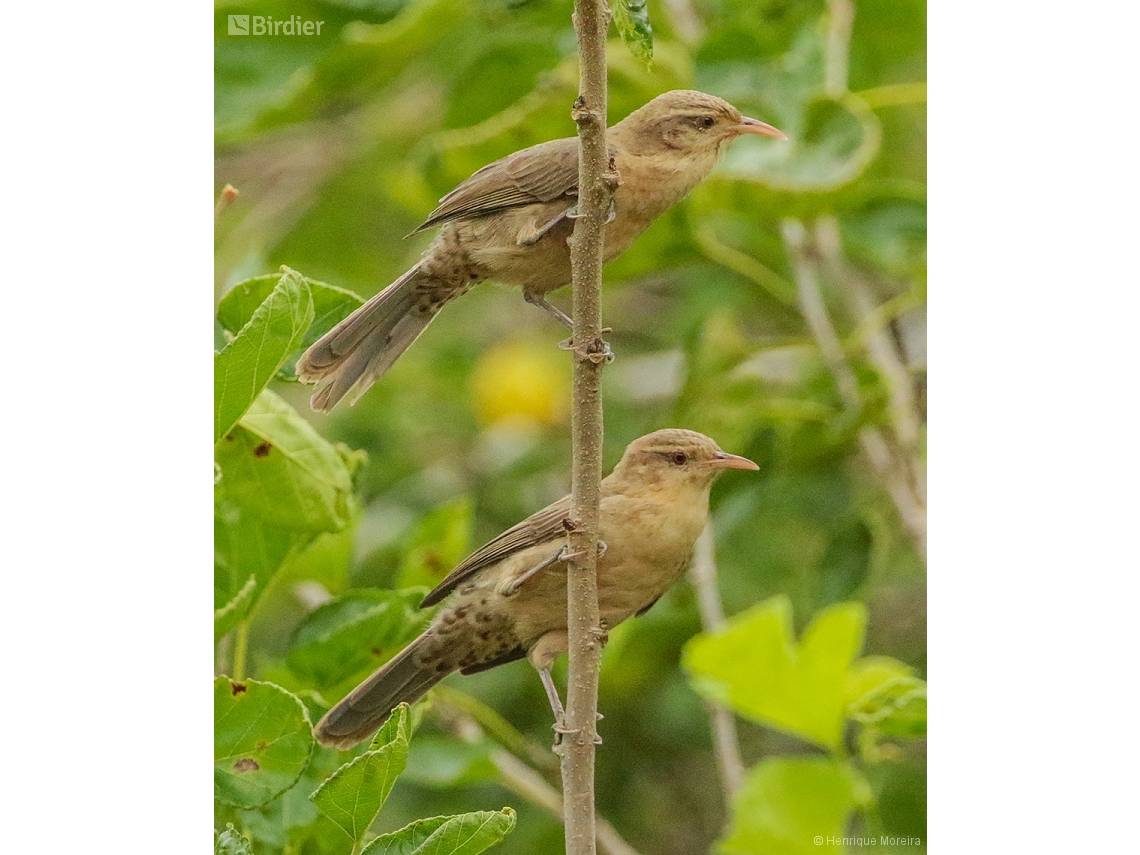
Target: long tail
{"x":403,"y":678}
{"x":360,"y":349}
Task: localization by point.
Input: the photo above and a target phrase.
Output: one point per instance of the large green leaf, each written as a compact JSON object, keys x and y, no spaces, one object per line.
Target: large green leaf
{"x":755,"y":666}
{"x":354,"y":794}
{"x":465,"y":834}
{"x":244,"y":548}
{"x":262,"y":741}
{"x":259,"y":348}
{"x":357,"y":631}
{"x":447,"y":762}
{"x":793,"y":806}
{"x":331,"y":305}
{"x":278,"y":467}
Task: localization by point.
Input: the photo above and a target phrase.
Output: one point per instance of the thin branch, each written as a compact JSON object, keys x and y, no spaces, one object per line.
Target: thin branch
{"x":524,"y":781}
{"x":521,"y":779}
{"x":596,"y":183}
{"x":815,"y":313}
{"x":880,"y":347}
{"x":725,"y":741}
{"x":841,"y":17}
{"x":225,"y":199}
{"x":745,"y":265}
{"x":241,"y":644}
{"x":686,"y":21}
{"x":894,"y":95}
{"x":911,"y":507}
{"x":497,"y":728}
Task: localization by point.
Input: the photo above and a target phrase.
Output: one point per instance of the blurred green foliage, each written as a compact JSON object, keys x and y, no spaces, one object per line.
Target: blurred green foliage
{"x":339,"y":145}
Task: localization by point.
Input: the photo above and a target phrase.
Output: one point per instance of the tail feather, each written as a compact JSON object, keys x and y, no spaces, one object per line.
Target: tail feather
{"x":404,"y":678}
{"x":360,"y":349}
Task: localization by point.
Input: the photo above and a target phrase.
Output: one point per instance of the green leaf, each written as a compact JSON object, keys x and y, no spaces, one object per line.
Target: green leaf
{"x":262,"y":742}
{"x":230,"y":842}
{"x":354,"y":794}
{"x":883,"y":693}
{"x":261,"y":346}
{"x":357,"y":631}
{"x":793,"y":806}
{"x":278,"y":467}
{"x":437,"y":544}
{"x":244,"y":546}
{"x":631,"y":17}
{"x":331,"y":305}
{"x":230,"y":615}
{"x":465,"y":834}
{"x":443,"y":762}
{"x":755,"y":666}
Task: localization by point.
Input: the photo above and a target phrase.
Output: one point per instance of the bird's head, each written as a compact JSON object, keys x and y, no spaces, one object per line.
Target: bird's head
{"x":687,"y":122}
{"x":674,"y":459}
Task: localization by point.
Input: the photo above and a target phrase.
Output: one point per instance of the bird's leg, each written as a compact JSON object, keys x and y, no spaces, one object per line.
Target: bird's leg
{"x":511,"y":587}
{"x":555,"y":701}
{"x":555,"y":705}
{"x":553,"y":311}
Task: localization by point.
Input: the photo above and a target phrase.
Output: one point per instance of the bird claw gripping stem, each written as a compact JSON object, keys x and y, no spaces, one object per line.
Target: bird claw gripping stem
{"x":605,"y":355}
{"x":572,"y":213}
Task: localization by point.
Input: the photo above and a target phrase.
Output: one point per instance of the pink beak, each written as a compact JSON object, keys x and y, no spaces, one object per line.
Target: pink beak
{"x":755,"y":126}
{"x":724,"y":460}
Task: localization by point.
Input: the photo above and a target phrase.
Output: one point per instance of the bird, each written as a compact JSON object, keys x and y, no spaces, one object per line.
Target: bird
{"x":510,"y":221}
{"x":507,"y":600}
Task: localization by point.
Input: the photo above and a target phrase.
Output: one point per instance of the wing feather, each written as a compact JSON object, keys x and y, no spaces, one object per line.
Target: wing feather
{"x":541,"y":173}
{"x":545,"y":526}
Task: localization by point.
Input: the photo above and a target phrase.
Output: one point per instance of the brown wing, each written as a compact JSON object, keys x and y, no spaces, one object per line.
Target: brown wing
{"x":541,"y":173}
{"x":542,"y":527}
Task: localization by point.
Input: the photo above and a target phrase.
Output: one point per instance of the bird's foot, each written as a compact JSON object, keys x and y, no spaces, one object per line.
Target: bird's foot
{"x":561,"y":730}
{"x":596,"y":354}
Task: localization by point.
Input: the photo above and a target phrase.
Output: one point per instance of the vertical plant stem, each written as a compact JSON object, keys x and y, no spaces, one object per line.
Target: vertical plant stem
{"x":519,"y":776}
{"x":586,"y":636}
{"x":241,"y":642}
{"x":840,"y":18}
{"x":725,"y":742}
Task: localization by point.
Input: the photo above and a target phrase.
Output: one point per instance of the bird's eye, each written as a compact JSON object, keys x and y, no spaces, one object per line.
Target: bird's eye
{"x":706,"y":122}
{"x":680,"y":458}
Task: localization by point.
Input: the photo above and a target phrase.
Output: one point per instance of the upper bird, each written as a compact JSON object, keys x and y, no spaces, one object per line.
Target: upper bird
{"x":509,"y":222}
{"x":507,"y":600}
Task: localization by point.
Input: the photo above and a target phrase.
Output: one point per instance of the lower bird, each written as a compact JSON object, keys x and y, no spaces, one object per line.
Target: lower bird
{"x":510,"y":221}
{"x":507,"y":600}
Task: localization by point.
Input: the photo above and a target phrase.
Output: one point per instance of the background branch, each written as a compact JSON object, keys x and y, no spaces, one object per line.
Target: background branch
{"x":725,"y":742}
{"x":872,"y":441}
{"x":523,"y":780}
